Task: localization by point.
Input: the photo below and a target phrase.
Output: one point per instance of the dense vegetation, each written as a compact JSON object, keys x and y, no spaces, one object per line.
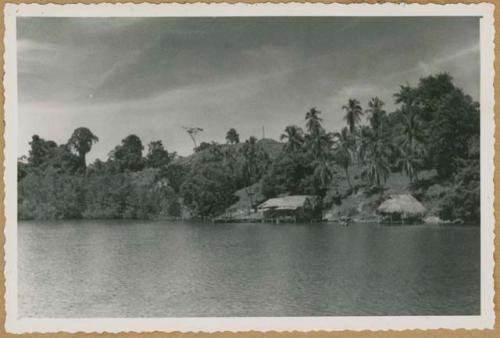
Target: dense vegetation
{"x":435,"y":129}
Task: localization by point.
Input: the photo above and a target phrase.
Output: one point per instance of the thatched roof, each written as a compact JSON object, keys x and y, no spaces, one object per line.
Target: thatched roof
{"x":402,"y":204}
{"x":286,"y":203}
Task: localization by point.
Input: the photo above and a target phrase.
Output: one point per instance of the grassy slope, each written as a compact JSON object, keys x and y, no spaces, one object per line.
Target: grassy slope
{"x":362,"y":204}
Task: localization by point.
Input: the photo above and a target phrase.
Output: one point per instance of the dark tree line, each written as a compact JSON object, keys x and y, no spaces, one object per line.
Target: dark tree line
{"x":435,"y":128}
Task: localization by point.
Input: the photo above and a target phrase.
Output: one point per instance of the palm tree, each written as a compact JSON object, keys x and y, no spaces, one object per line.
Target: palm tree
{"x":313,"y":121}
{"x":81,"y":141}
{"x":407,"y":95}
{"x":410,"y":163}
{"x":412,"y":135}
{"x":377,"y":170}
{"x":294,"y":137}
{"x":319,"y":145}
{"x":256,"y":160}
{"x":374,"y":154}
{"x":353,"y":114}
{"x":411,"y":145}
{"x":375,"y":113}
{"x":364,"y":140}
{"x":318,"y":142}
{"x":255,"y":164}
{"x":343,"y":154}
{"x":323,"y":174}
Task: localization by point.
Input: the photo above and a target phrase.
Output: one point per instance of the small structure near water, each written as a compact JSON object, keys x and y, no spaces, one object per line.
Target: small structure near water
{"x":291,"y":208}
{"x":401,"y":208}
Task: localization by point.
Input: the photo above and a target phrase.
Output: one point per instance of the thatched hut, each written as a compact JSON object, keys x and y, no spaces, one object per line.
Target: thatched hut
{"x":401,"y":208}
{"x":296,"y":207}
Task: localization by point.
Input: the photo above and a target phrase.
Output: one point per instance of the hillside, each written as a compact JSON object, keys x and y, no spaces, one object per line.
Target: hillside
{"x":361,"y":205}
{"x":270,"y":146}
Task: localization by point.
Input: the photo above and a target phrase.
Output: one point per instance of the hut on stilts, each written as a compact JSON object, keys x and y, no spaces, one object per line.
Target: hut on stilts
{"x":291,"y":208}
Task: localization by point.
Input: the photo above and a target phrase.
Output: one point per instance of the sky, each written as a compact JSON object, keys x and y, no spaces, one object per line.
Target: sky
{"x":153,"y":76}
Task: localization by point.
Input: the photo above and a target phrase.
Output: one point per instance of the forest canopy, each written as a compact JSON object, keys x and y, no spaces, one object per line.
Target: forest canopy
{"x":431,"y":139}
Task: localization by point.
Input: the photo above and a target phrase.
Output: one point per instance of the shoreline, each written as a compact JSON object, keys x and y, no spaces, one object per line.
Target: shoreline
{"x":210,"y":222}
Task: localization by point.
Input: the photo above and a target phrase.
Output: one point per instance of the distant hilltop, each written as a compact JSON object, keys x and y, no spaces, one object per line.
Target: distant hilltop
{"x":269,"y":145}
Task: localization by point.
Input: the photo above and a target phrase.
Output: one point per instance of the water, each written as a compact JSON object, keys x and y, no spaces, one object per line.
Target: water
{"x":162,"y":269}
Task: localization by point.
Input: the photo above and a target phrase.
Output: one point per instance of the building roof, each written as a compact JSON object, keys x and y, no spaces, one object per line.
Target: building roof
{"x":402,"y":204}
{"x":286,"y":202}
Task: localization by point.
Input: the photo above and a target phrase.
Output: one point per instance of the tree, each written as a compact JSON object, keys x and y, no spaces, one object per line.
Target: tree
{"x":46,"y":154}
{"x":232,"y":136}
{"x":193,"y":132}
{"x":323,"y":175}
{"x":407,"y":96}
{"x":289,"y":173}
{"x":313,"y":123}
{"x":50,"y":194}
{"x":440,"y":117}
{"x":463,"y":200}
{"x":294,"y":137}
{"x":62,"y":160}
{"x":411,"y":147}
{"x":353,"y":114}
{"x":456,"y":124}
{"x":343,"y":151}
{"x":376,"y":114}
{"x":319,"y":145}
{"x":175,"y":174}
{"x":207,"y":189}
{"x":81,"y":141}
{"x":410,"y":163}
{"x":128,"y":155}
{"x":204,"y":146}
{"x":376,"y":166}
{"x":40,"y":150}
{"x":318,"y":142}
{"x":412,"y":137}
{"x":374,"y":153}
{"x":209,"y":185}
{"x":255,"y":162}
{"x":157,"y":156}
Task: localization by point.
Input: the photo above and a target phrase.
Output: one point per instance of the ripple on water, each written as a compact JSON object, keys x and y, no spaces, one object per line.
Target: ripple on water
{"x":162,"y":269}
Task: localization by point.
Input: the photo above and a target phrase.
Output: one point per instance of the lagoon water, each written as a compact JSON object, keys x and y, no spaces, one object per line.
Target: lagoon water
{"x":165,"y":269}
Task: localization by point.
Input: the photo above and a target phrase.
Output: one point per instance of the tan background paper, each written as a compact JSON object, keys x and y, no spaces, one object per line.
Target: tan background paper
{"x":318,"y":334}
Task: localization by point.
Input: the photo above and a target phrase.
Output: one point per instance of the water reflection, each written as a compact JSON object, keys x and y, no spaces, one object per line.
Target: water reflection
{"x":160,"y":269}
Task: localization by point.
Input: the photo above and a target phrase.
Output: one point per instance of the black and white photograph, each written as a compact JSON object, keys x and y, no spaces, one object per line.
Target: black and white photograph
{"x":232,"y":167}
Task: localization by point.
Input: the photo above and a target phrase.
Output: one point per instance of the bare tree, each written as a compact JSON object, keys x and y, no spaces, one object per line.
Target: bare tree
{"x":193,"y":131}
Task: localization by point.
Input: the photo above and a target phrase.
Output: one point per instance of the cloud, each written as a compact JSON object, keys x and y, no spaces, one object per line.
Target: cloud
{"x":433,"y":65}
{"x":458,"y":54}
{"x":25,"y":45}
{"x":150,"y":76}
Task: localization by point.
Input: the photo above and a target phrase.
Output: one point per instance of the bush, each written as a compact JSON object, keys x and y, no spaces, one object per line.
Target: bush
{"x":462,"y":201}
{"x":50,"y":195}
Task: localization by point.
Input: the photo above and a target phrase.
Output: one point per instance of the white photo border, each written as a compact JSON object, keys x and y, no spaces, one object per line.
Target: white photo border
{"x":485,"y":320}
